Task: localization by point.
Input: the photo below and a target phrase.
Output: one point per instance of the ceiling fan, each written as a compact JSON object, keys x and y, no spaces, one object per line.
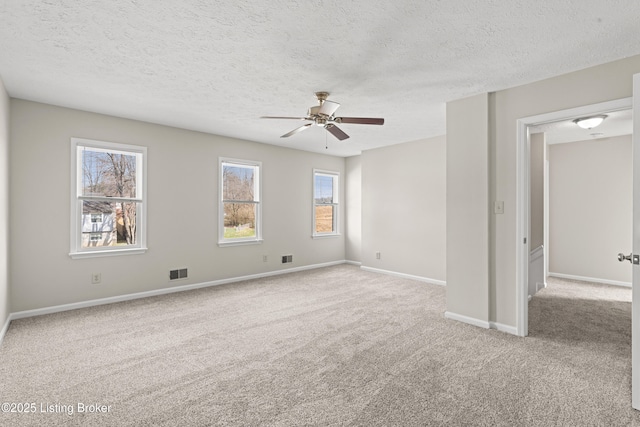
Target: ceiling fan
{"x":324,"y":115}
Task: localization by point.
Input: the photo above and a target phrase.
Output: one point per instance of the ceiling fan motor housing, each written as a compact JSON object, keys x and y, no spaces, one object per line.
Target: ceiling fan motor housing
{"x":313,"y":111}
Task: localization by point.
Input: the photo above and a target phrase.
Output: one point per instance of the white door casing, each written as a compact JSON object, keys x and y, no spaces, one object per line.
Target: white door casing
{"x":635,"y":270}
{"x":522,"y":202}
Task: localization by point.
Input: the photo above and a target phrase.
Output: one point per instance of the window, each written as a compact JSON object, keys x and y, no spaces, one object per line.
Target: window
{"x":325,"y":203}
{"x":108,"y":200}
{"x":240,"y":207}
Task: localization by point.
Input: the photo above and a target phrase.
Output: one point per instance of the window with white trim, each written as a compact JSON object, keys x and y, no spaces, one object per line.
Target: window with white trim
{"x":108,"y":200}
{"x":325,"y":203}
{"x":239,"y":202}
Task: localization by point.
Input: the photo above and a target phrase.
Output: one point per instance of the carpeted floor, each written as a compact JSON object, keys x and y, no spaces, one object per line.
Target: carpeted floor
{"x":333,"y":346}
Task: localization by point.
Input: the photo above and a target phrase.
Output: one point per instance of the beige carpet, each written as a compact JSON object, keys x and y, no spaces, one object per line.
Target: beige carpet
{"x":333,"y":346}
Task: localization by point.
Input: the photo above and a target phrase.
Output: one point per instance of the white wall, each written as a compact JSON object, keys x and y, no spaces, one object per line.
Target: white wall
{"x":5,"y":307}
{"x":182,"y":208}
{"x":404,"y":208}
{"x":590,"y":86}
{"x":590,"y":208}
{"x":353,"y":207}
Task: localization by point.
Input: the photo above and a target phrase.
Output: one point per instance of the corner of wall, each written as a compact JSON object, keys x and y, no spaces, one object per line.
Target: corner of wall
{"x":468,"y":196}
{"x":353,"y":208}
{"x":5,"y":291}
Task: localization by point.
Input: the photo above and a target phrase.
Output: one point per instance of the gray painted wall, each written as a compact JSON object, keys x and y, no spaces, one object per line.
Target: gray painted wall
{"x":5,"y":307}
{"x":353,"y":225}
{"x":468,"y":207}
{"x":182,"y":208}
{"x":404,"y":208}
{"x":536,"y":175}
{"x":605,"y":82}
{"x":590,"y":208}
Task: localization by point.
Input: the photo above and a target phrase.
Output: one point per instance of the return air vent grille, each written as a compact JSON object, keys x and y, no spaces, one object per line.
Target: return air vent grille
{"x":178,"y":274}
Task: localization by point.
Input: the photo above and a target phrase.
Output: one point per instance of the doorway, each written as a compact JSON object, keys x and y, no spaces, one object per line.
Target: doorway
{"x":525,"y":127}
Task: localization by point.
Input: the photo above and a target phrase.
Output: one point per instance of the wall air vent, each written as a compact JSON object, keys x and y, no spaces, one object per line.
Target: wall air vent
{"x":178,"y":274}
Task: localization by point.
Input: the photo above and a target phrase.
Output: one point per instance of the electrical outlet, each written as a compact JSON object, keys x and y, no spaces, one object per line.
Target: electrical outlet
{"x":264,"y":258}
{"x":96,"y":278}
{"x":377,"y":255}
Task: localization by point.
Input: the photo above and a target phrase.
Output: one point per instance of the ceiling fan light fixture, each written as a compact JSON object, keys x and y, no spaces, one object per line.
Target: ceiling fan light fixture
{"x":590,"y":122}
{"x":323,"y":115}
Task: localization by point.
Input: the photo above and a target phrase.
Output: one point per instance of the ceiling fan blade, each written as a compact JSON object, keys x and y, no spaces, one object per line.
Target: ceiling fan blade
{"x":360,"y":120}
{"x":328,"y":108}
{"x":296,"y":130}
{"x":282,"y":117}
{"x":336,"y":131}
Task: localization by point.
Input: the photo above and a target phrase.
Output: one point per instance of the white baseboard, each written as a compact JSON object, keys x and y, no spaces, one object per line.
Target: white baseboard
{"x":466,"y":319}
{"x":156,"y":292}
{"x":504,"y":328}
{"x":590,"y":279}
{"x":356,"y":263}
{"x":404,"y":276}
{"x":481,"y":323}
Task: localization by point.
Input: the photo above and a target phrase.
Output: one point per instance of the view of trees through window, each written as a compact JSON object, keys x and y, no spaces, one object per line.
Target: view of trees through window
{"x":239,"y":200}
{"x":108,"y":190}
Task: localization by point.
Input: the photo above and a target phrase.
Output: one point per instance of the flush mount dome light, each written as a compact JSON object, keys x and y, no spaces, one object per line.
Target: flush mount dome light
{"x":590,"y":122}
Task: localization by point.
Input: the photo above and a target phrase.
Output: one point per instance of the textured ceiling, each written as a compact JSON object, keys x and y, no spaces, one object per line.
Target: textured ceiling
{"x":217,"y":66}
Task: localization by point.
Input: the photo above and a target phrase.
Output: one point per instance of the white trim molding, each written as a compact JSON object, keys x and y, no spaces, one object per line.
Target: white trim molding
{"x":404,"y":276}
{"x":466,"y":319}
{"x":591,"y":279}
{"x":5,"y":328}
{"x":77,"y":199}
{"x":522,"y":194}
{"x":512,"y":330}
{"x":156,"y":292}
{"x":335,"y":203}
{"x":256,"y":166}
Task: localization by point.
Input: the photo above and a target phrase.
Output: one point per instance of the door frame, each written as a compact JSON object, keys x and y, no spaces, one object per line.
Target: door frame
{"x":523,"y":189}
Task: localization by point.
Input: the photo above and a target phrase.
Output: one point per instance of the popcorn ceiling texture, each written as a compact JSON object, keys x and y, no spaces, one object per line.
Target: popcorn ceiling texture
{"x":218,"y":66}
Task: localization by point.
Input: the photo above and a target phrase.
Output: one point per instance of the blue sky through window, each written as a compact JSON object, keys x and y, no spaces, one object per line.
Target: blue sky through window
{"x":244,"y":174}
{"x":324,"y":189}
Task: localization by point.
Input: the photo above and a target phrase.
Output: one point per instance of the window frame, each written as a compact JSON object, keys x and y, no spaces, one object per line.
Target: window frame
{"x":76,"y":249}
{"x":238,"y":241}
{"x":335,"y":203}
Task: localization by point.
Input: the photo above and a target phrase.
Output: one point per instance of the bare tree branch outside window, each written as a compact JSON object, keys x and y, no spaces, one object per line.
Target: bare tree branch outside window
{"x":110,"y":174}
{"x":239,"y":202}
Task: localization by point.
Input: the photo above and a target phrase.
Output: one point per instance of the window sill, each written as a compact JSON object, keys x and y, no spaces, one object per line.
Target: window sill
{"x":325,"y":236}
{"x":240,"y":243}
{"x":115,"y":252}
